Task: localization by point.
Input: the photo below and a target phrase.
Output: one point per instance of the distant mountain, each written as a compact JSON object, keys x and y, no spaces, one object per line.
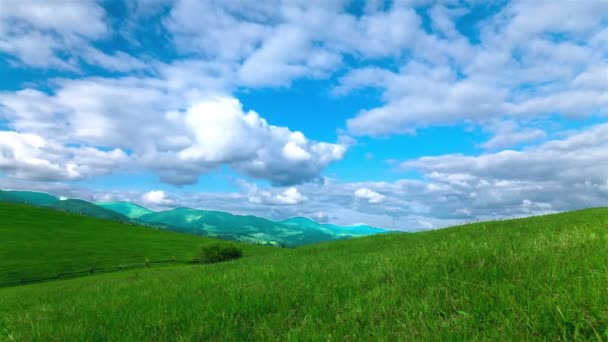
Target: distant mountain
{"x":28,"y":197}
{"x":332,"y":229}
{"x":306,"y":223}
{"x":127,"y":209}
{"x":296,"y":231}
{"x":356,"y":230}
{"x":235,"y":227}
{"x":88,"y":209}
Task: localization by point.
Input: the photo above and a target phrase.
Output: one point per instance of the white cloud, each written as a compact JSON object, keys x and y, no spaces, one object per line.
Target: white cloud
{"x":30,"y":156}
{"x":156,"y":198}
{"x":508,"y":134}
{"x":75,"y":17}
{"x":179,"y":145}
{"x":37,"y":32}
{"x":291,"y":196}
{"x":119,"y":61}
{"x":223,"y":30}
{"x":533,"y":58}
{"x":60,"y":35}
{"x":292,"y":151}
{"x":223,"y":133}
{"x":422,"y":96}
{"x":371,"y":196}
{"x":577,"y":158}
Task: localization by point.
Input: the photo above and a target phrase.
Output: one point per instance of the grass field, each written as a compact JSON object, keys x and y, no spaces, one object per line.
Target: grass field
{"x":39,"y":242}
{"x":542,"y":278}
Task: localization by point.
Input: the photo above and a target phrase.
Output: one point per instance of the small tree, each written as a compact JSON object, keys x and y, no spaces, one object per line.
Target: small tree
{"x":219,"y":252}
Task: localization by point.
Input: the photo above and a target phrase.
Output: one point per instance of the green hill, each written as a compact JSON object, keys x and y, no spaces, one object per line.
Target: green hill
{"x":127,"y":209}
{"x":85,"y":208}
{"x":540,"y":278}
{"x":39,"y":242}
{"x":28,"y":197}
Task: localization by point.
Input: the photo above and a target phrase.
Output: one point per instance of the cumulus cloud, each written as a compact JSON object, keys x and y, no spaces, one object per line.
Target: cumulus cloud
{"x":222,"y":133}
{"x":156,"y":198}
{"x":557,"y":175}
{"x":370,"y":195}
{"x":291,"y":196}
{"x":508,"y":134}
{"x":516,"y":70}
{"x":179,"y":145}
{"x":446,"y":78}
{"x":60,"y":35}
{"x":31,"y":156}
{"x":420,"y":96}
{"x":577,"y":158}
{"x":218,"y":29}
{"x":83,"y":17}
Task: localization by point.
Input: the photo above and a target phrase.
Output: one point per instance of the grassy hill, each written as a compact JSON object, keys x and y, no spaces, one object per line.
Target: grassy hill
{"x":540,"y":278}
{"x":40,"y":242}
{"x":28,"y":197}
{"x":85,"y":208}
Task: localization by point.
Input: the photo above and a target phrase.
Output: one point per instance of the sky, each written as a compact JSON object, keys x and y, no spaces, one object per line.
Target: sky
{"x":405,"y":114}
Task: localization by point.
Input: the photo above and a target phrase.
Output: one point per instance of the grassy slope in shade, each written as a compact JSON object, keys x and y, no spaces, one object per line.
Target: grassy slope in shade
{"x":28,"y":197}
{"x":536,"y":278}
{"x":130,"y":210}
{"x":39,"y":242}
{"x":81,"y":207}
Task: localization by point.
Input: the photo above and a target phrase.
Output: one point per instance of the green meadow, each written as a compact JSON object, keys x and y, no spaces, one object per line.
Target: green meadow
{"x":539,"y":278}
{"x":39,"y":242}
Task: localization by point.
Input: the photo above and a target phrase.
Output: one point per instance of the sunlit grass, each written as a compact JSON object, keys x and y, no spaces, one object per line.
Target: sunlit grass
{"x":536,"y":278}
{"x":37,"y":242}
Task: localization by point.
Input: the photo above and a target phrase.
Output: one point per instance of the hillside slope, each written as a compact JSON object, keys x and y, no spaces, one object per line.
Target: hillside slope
{"x":540,"y":278}
{"x":38,"y":242}
{"x":85,"y":208}
{"x":28,"y":197}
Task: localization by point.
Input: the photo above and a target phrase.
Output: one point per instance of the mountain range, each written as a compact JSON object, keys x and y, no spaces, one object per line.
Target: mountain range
{"x":292,"y":232}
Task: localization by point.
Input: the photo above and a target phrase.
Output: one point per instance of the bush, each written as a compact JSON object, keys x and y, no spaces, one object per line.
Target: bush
{"x":217,"y":253}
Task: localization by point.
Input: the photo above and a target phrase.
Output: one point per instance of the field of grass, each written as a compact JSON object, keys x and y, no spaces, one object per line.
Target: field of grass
{"x":37,"y":242}
{"x":540,"y":278}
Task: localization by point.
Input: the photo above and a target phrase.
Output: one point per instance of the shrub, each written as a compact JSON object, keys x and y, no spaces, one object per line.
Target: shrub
{"x":218,"y":252}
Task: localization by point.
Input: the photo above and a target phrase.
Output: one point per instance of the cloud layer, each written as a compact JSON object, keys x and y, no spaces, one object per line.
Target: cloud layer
{"x":155,"y":90}
{"x":558,"y":175}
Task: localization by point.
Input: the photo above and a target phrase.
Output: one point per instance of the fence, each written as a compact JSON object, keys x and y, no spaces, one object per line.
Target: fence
{"x":93,"y":270}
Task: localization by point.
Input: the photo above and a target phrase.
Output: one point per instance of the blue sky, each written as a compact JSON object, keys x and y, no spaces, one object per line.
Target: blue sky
{"x":408,"y":115}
